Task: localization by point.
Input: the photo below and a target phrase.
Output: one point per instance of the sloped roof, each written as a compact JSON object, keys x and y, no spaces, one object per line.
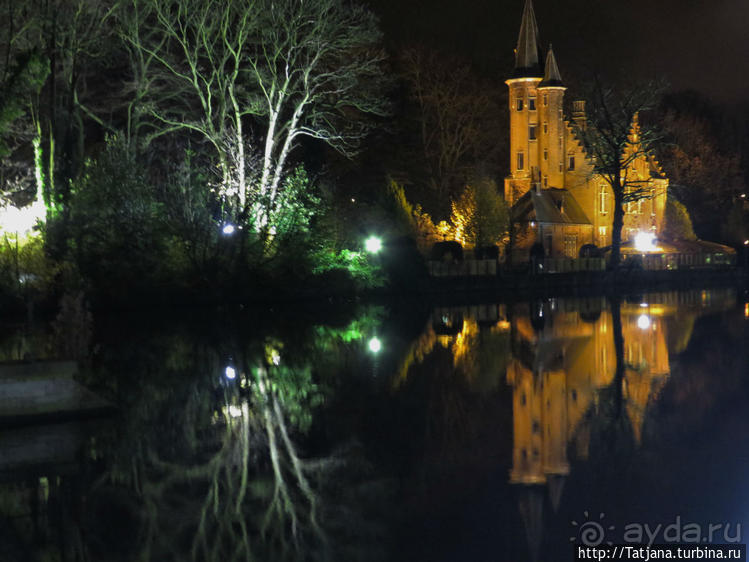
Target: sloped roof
{"x":552,"y":77}
{"x":549,"y":205}
{"x":527,"y":55}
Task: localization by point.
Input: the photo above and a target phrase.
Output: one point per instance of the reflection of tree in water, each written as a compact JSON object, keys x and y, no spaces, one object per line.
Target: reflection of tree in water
{"x":216,"y":467}
{"x":245,"y":513}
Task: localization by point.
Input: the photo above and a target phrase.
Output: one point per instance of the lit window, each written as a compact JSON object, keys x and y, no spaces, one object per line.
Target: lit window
{"x":571,"y":162}
{"x":602,"y":203}
{"x":532,"y":104}
{"x":532,"y":132}
{"x":602,"y":234}
{"x":546,"y":153}
{"x":519,"y":104}
{"x":520,"y":161}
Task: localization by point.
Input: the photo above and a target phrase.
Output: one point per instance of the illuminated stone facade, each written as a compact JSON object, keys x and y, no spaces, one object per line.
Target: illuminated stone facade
{"x":550,"y":168}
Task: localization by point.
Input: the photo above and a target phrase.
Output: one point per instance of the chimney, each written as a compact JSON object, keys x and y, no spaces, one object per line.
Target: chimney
{"x":578,"y":114}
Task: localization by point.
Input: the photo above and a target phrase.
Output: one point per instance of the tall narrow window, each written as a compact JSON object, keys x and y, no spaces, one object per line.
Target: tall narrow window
{"x":546,"y":99}
{"x":546,"y":153}
{"x":519,"y":103}
{"x":520,"y":161}
{"x":602,"y":203}
{"x":532,"y":104}
{"x":546,"y":127}
{"x":532,"y":131}
{"x":546,"y":181}
{"x":561,"y":166}
{"x":571,"y":165}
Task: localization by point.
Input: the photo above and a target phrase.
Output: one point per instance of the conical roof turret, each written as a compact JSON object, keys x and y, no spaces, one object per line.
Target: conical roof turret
{"x":527,"y":55}
{"x":552,"y":77}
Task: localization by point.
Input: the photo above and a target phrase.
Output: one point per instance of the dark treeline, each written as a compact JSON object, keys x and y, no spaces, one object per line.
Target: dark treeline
{"x":249,"y":147}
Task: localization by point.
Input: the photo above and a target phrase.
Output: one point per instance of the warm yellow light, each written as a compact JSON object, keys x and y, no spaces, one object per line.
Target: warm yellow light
{"x":746,"y":310}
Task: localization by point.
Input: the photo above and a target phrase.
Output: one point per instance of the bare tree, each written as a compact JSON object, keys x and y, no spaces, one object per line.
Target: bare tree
{"x":453,"y":107}
{"x":291,"y":68}
{"x":618,"y":143}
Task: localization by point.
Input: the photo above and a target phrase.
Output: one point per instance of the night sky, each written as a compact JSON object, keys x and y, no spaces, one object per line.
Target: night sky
{"x":693,"y":44}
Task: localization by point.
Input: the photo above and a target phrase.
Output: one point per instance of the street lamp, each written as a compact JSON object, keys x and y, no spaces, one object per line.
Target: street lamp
{"x":373,"y":244}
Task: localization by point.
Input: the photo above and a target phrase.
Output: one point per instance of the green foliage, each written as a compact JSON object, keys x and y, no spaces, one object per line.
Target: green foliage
{"x":677,"y":225}
{"x":25,"y":267}
{"x":292,"y":220}
{"x":118,"y":235}
{"x":357,"y":265}
{"x":24,"y":78}
{"x":480,"y":215}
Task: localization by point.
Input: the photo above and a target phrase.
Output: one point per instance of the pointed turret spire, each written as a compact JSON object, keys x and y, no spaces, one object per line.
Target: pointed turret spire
{"x":552,"y":77}
{"x":527,"y":55}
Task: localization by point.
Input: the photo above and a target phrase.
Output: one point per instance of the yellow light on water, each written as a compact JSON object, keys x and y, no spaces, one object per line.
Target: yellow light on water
{"x":643,"y":322}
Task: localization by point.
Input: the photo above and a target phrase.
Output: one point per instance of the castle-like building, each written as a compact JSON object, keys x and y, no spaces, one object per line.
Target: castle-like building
{"x":557,"y":199}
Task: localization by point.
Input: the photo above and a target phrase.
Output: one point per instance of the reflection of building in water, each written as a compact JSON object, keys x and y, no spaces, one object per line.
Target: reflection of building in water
{"x":564,"y":356}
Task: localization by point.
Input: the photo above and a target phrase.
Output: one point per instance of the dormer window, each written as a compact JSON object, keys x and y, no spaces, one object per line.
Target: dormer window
{"x":532,"y":104}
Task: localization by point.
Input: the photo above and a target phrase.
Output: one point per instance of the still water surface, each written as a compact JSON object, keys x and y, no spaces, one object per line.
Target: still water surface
{"x":484,"y":432}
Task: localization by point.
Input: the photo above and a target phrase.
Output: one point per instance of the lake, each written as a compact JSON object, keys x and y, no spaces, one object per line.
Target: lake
{"x":513,"y":431}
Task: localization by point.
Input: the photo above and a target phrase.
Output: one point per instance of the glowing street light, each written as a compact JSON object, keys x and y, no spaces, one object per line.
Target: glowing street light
{"x":373,"y":244}
{"x":644,"y":242}
{"x":375,"y":345}
{"x":230,"y":373}
{"x":228,"y":229}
